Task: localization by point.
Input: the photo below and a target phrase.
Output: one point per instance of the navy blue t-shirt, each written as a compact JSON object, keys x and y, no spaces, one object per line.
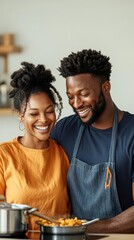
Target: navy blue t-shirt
{"x":94,"y":148}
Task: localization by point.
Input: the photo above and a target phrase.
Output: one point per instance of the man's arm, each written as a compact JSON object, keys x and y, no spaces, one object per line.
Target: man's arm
{"x":122,"y":223}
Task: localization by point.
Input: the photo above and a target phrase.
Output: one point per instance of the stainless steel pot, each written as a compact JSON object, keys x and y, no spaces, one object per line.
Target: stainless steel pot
{"x":14,"y":219}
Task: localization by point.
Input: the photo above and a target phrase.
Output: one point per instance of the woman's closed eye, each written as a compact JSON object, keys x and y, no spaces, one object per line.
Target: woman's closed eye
{"x":52,"y":111}
{"x":33,"y":114}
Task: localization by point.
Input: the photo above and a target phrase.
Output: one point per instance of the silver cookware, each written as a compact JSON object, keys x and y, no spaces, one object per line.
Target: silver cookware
{"x":65,"y":229}
{"x":81,"y":236}
{"x":14,"y":218}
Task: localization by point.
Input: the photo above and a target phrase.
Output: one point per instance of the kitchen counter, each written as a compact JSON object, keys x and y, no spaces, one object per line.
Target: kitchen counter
{"x":36,"y":235}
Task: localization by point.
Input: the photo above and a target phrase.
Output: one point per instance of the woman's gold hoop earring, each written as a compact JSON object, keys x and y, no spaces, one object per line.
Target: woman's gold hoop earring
{"x":21,"y":127}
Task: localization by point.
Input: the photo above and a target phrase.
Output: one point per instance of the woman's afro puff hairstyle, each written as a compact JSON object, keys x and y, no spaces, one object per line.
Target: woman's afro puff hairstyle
{"x":32,"y":79}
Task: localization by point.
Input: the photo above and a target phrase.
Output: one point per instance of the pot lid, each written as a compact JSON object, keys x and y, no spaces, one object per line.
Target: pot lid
{"x":4,"y":205}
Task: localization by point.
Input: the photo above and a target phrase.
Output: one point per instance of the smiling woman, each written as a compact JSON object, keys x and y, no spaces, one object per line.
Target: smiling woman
{"x":34,"y":166}
{"x":39,"y":119}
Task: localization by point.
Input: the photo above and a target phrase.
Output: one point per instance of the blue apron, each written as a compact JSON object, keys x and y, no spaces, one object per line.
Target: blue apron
{"x":92,"y":189}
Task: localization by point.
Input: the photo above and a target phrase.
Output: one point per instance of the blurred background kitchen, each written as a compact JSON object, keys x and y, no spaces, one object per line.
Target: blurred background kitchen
{"x":45,"y":31}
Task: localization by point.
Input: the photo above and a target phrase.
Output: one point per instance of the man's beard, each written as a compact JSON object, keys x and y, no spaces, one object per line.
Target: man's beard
{"x":97,"y":110}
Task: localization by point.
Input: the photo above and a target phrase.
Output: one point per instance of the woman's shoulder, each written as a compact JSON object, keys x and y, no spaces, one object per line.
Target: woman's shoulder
{"x":6,"y":144}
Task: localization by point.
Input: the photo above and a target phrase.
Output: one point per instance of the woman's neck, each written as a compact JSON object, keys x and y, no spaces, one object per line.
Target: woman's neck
{"x":33,"y":143}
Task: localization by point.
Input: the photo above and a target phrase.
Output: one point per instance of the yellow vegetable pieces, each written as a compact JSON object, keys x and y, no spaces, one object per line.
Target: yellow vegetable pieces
{"x":63,"y":222}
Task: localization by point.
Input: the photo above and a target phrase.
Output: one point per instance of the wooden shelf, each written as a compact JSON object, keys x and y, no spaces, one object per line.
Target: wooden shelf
{"x":6,"y":111}
{"x":4,"y":50}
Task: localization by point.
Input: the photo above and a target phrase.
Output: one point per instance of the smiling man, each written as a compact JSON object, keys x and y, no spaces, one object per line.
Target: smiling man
{"x":99,"y":142}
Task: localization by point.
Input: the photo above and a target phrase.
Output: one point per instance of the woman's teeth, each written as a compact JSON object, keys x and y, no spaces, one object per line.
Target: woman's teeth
{"x":41,"y":128}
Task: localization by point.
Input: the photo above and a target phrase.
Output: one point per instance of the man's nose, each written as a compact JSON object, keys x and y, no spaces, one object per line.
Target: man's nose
{"x":77,"y":102}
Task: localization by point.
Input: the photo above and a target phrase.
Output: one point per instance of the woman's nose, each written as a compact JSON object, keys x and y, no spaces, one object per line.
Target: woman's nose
{"x":43,"y":118}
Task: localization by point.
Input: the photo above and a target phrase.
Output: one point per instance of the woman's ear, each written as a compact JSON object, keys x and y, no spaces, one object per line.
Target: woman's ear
{"x":20,"y":116}
{"x":21,"y":124}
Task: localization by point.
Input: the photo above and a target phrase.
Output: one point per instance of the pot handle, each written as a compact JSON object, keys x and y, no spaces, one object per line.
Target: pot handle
{"x":25,"y":216}
{"x":30,"y":211}
{"x":40,"y":215}
{"x":2,"y":197}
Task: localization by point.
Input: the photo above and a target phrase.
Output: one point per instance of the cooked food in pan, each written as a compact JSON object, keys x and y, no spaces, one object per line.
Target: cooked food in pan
{"x":62,"y":222}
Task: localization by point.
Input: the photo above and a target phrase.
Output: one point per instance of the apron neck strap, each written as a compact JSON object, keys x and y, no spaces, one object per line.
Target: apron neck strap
{"x":78,"y":139}
{"x":114,"y":136}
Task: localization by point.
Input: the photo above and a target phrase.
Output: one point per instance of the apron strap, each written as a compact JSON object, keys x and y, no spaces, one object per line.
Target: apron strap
{"x":78,"y":139}
{"x":112,"y":149}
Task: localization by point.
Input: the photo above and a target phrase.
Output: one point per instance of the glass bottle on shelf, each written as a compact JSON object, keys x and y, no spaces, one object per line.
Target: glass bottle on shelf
{"x":5,"y":101}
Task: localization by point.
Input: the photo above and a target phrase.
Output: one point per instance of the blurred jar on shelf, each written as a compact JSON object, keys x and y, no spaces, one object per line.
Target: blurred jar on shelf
{"x":4,"y":98}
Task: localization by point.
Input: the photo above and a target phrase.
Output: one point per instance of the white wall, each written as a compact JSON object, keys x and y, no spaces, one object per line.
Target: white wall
{"x":49,"y":30}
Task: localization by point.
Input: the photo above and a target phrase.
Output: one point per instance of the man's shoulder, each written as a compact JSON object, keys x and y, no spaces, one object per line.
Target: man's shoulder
{"x":66,"y":127}
{"x":128,"y":118}
{"x":131,"y":115}
{"x":126,"y":125}
{"x":68,"y":121}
